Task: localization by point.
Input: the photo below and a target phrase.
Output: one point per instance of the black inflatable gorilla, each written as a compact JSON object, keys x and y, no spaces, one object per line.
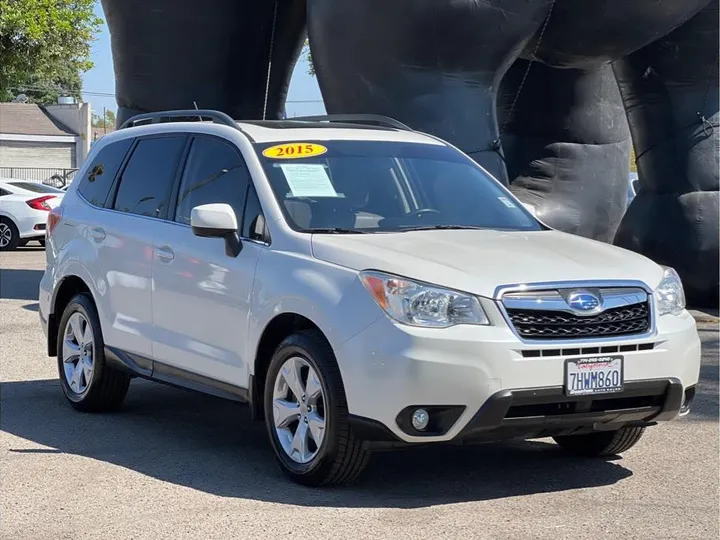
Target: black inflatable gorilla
{"x":545,"y":94}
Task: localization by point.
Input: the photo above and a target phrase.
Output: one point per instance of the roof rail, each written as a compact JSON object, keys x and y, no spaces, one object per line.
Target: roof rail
{"x":385,"y":121}
{"x":161,"y":117}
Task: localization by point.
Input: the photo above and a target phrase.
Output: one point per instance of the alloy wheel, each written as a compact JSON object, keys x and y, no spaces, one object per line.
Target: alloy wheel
{"x":77,"y":353}
{"x":5,"y":235}
{"x":299,"y":411}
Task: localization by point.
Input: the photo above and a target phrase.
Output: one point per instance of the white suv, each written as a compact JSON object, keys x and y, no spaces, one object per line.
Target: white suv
{"x":361,"y":285}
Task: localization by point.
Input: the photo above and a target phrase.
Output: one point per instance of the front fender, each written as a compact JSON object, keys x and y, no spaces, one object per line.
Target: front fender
{"x":331,"y":296}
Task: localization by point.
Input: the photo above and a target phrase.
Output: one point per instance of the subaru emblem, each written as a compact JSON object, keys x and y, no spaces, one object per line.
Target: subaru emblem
{"x":583,"y":302}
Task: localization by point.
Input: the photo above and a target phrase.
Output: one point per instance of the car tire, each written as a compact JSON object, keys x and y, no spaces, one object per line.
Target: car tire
{"x":9,"y":235}
{"x":88,"y":382}
{"x":340,"y":456}
{"x":602,"y":443}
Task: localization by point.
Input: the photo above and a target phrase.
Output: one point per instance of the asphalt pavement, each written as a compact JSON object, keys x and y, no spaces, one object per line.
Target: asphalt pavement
{"x":173,"y":464}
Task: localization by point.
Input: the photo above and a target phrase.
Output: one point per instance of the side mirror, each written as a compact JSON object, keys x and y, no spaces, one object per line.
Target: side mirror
{"x":217,"y":220}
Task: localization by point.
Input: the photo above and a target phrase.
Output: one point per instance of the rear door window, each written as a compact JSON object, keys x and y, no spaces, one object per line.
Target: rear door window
{"x":97,"y":181}
{"x":147,"y":180}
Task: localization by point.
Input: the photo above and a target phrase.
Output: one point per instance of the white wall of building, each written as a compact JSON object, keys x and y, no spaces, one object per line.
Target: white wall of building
{"x":78,"y":117}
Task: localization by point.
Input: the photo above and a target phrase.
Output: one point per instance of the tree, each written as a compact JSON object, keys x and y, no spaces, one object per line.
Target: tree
{"x":45,"y":47}
{"x":308,"y":56}
{"x":104,"y":121}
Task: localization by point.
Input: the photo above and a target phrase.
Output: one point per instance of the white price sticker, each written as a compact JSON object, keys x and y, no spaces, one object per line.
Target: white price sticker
{"x":308,"y":180}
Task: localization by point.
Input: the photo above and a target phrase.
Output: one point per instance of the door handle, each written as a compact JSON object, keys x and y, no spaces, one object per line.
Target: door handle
{"x":97,"y":234}
{"x":165,"y":254}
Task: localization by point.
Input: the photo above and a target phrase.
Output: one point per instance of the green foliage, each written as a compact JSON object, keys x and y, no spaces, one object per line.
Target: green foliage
{"x":308,"y":56}
{"x":107,"y":121}
{"x":45,"y":47}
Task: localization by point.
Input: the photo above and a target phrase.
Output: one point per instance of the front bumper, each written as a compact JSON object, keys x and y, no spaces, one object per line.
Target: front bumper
{"x":484,"y":386}
{"x":546,"y":412}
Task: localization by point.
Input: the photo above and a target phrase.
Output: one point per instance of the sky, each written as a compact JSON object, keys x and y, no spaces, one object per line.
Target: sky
{"x":99,"y":82}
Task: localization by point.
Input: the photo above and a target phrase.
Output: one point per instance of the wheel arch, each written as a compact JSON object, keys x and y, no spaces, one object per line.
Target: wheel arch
{"x":4,"y":214}
{"x":66,"y":290}
{"x":275,"y":331}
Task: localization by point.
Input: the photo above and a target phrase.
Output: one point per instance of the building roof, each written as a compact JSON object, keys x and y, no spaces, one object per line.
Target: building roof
{"x":29,"y":119}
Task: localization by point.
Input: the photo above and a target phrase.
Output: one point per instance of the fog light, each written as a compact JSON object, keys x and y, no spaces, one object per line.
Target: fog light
{"x":420,"y":419}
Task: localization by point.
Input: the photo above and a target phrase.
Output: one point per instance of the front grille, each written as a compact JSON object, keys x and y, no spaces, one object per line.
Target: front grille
{"x":541,"y":324}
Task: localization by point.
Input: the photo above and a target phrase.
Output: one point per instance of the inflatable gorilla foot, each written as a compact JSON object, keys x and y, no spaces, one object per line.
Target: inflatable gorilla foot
{"x":670,"y":89}
{"x":435,"y":65}
{"x":173,"y":54}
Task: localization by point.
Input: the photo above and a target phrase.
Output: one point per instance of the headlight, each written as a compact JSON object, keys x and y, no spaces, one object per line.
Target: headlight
{"x":417,"y":304}
{"x":669,"y":295}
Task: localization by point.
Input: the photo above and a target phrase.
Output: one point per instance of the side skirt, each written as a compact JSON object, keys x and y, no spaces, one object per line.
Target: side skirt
{"x":146,"y":368}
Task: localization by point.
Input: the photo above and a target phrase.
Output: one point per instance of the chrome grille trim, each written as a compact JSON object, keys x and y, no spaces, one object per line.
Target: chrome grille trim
{"x":550,"y":297}
{"x":556,"y":300}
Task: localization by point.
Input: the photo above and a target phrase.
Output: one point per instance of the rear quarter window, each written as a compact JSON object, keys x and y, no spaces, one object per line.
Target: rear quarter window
{"x":97,"y":181}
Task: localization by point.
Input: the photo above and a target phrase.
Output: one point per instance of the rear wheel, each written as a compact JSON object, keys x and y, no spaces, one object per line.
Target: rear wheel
{"x":307,"y":416}
{"x":89,"y":384}
{"x":602,"y":443}
{"x":9,"y":235}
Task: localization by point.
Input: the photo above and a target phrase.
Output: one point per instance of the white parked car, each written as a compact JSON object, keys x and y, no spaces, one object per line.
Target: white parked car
{"x":361,"y":286}
{"x":24,"y":209}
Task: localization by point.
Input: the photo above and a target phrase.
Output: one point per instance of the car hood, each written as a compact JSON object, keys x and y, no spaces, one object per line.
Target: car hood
{"x":479,"y":261}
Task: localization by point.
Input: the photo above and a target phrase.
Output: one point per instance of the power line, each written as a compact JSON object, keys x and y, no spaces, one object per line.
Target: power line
{"x":91,"y":93}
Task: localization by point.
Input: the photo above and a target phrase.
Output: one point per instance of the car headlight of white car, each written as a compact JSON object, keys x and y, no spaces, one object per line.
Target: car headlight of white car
{"x":419,"y":304}
{"x":669,"y":295}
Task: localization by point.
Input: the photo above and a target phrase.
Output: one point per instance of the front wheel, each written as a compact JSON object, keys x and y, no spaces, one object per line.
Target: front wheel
{"x":602,"y":443}
{"x":306,"y":414}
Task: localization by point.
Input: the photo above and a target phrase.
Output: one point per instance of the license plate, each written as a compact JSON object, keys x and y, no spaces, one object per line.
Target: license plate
{"x":597,"y":375}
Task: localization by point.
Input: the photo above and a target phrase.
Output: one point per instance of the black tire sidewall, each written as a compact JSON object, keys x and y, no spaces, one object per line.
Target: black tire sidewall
{"x":83,"y":304}
{"x":15,"y":240}
{"x":306,"y":347}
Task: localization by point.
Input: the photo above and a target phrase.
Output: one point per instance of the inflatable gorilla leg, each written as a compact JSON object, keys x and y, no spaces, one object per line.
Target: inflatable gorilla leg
{"x":670,"y":89}
{"x":433,"y":64}
{"x":567,"y":145}
{"x":170,"y":54}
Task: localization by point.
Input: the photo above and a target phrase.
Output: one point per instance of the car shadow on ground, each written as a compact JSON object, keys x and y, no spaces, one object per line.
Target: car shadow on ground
{"x":707,"y":400}
{"x":211,"y":445}
{"x":19,"y":284}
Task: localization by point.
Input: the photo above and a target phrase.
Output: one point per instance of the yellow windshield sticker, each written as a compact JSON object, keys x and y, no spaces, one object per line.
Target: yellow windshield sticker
{"x":294,"y":150}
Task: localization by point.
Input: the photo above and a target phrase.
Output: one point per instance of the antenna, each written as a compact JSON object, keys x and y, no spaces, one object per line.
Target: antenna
{"x":197,"y":109}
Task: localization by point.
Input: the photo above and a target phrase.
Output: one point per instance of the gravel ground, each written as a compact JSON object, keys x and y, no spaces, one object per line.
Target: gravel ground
{"x":174,"y":464}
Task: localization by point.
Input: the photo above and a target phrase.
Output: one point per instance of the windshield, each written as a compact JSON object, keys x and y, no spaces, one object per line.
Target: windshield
{"x":369,"y":186}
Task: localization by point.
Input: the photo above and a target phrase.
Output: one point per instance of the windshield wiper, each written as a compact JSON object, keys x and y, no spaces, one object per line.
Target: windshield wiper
{"x":440,"y":228}
{"x":336,"y":230}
